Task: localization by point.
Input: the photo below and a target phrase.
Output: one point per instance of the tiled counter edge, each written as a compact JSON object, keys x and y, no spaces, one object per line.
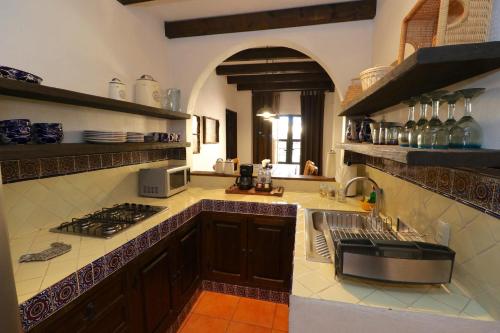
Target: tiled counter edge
{"x":52,"y":299}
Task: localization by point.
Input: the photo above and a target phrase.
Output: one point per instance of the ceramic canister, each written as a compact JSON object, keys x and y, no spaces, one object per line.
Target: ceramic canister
{"x":147,"y":91}
{"x":117,"y":90}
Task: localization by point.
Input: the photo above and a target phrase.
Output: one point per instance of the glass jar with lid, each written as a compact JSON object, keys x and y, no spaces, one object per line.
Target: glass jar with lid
{"x":381,"y":133}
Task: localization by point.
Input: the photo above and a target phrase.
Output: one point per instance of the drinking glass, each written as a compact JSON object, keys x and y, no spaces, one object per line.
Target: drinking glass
{"x":451,"y":99}
{"x":323,"y":190}
{"x":422,"y":121}
{"x":403,"y":137}
{"x":467,"y":133}
{"x":434,"y":135}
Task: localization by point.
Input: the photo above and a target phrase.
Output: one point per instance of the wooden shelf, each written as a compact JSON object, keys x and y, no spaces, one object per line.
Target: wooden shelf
{"x":426,"y":70}
{"x":472,"y":158}
{"x":44,"y":93}
{"x":32,"y":151}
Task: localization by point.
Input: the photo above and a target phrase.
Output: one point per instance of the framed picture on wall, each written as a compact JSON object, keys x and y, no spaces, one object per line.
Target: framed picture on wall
{"x":210,"y":130}
{"x":195,"y":142}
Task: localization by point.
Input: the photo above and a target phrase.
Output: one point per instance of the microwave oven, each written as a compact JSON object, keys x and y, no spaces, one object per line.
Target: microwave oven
{"x":163,"y":182}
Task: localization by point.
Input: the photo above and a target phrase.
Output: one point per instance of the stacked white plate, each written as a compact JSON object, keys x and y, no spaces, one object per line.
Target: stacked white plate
{"x":135,"y":137}
{"x":104,"y":137}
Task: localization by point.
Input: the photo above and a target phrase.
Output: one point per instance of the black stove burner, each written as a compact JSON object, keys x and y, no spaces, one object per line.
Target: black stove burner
{"x":108,"y":221}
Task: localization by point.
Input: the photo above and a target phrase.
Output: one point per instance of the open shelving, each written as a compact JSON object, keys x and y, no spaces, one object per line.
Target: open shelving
{"x":426,"y":70}
{"x":33,"y":151}
{"x":50,"y":94}
{"x":473,"y":158}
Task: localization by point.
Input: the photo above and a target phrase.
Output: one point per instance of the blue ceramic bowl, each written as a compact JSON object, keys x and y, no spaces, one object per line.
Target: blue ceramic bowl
{"x":16,"y":131}
{"x":46,"y":126}
{"x":17,"y":74}
{"x":47,"y":139}
{"x":15,"y":122}
{"x":21,"y":139}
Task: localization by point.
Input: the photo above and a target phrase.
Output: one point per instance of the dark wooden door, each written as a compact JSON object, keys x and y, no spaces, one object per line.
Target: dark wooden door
{"x":188,"y":252}
{"x":104,"y":308}
{"x":231,"y":134}
{"x":156,"y":289}
{"x":270,"y":252}
{"x":224,"y":243}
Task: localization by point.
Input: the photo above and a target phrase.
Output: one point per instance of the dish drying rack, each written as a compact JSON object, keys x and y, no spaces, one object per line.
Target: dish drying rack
{"x":381,"y":228}
{"x":361,"y":226}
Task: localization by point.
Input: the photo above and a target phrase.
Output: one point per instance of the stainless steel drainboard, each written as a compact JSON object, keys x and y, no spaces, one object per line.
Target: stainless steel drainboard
{"x":323,"y":227}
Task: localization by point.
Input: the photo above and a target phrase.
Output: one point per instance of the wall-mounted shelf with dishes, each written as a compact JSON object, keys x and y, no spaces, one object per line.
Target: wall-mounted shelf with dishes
{"x":33,"y":151}
{"x":424,"y":71}
{"x":50,"y":94}
{"x":472,"y":158}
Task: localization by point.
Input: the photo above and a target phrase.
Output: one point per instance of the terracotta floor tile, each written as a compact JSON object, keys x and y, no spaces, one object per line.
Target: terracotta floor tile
{"x":198,"y":323}
{"x":281,"y":318}
{"x":184,"y":322}
{"x":216,"y":305}
{"x":235,"y":327}
{"x":255,"y":312}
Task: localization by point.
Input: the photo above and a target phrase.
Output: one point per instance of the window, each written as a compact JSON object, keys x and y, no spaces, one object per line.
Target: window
{"x":288,"y":130}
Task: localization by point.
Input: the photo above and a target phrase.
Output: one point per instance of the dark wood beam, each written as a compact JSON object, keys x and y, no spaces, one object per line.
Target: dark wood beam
{"x":129,"y":2}
{"x":306,"y":77}
{"x":267,"y":68}
{"x":273,"y":19}
{"x":287,"y":86}
{"x":267,"y":53}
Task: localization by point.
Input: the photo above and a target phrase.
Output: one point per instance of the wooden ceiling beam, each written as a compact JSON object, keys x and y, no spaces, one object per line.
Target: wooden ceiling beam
{"x":306,"y":77}
{"x":287,"y":86}
{"x":273,"y":19}
{"x":268,"y":68}
{"x":130,"y":2}
{"x":267,"y":53}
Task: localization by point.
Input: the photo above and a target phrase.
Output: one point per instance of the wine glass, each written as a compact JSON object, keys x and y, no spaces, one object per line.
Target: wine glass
{"x":467,"y":133}
{"x":451,"y":99}
{"x":404,"y":134}
{"x":434,"y":135}
{"x":422,"y":121}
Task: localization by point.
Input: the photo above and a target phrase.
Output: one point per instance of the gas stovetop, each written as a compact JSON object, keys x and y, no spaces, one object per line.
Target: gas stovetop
{"x":109,"y":221}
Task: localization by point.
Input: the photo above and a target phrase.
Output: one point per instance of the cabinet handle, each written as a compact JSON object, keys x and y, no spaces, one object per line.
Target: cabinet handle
{"x":89,"y":312}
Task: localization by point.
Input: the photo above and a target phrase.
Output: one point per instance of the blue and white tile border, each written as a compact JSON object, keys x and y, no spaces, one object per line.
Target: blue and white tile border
{"x":52,"y":299}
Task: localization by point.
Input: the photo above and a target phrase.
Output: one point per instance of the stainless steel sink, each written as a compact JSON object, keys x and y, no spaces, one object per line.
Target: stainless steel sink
{"x":318,"y":221}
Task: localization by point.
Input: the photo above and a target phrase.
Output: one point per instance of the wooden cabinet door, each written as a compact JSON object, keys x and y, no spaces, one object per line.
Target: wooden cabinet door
{"x":156,"y":291}
{"x":188,"y":253}
{"x":104,"y":308}
{"x":224,"y":247}
{"x":270,"y":252}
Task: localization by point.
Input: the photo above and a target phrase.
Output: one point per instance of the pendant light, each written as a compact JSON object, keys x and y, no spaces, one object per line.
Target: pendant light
{"x":267,"y":111}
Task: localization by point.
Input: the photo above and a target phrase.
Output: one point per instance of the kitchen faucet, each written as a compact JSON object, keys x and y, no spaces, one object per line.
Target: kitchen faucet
{"x":375,"y":213}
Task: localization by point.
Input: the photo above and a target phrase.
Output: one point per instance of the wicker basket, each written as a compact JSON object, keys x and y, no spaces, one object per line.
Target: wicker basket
{"x":445,"y":22}
{"x":353,"y":91}
{"x":371,"y":75}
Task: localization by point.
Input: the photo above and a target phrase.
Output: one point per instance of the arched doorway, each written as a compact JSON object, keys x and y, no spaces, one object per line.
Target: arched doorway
{"x":266,"y":68}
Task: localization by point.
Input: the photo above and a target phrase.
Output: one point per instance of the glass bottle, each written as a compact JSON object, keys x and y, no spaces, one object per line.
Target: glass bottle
{"x":451,"y":99}
{"x":467,"y":133}
{"x":403,"y":137}
{"x":434,"y":135}
{"x":422,"y":121}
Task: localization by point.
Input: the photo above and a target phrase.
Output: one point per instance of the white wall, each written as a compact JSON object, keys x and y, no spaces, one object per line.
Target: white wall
{"x":214,"y":98}
{"x":81,"y":45}
{"x":386,"y":32}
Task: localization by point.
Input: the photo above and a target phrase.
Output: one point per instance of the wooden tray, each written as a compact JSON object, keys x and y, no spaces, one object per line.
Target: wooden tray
{"x":276,"y":192}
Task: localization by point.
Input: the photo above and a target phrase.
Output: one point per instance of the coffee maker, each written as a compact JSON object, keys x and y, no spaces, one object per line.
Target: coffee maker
{"x":245,"y":180}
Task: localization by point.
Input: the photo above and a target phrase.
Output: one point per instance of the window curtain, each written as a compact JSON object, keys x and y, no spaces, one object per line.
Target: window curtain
{"x":312,"y":109}
{"x":263,"y":129}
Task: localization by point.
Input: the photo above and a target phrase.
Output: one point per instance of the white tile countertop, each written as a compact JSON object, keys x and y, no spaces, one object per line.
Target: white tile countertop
{"x":310,"y":279}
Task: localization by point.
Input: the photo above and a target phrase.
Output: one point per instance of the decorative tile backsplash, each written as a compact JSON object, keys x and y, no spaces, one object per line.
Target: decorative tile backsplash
{"x":481,"y":192}
{"x":474,"y":235}
{"x":20,"y":170}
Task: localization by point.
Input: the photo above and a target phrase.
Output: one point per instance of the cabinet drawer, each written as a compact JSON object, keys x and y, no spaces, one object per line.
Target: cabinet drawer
{"x":101,"y":307}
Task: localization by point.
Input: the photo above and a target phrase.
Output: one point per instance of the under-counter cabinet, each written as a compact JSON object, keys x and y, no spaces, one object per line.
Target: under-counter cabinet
{"x":102,"y":309}
{"x":248,"y":250}
{"x":148,"y":293}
